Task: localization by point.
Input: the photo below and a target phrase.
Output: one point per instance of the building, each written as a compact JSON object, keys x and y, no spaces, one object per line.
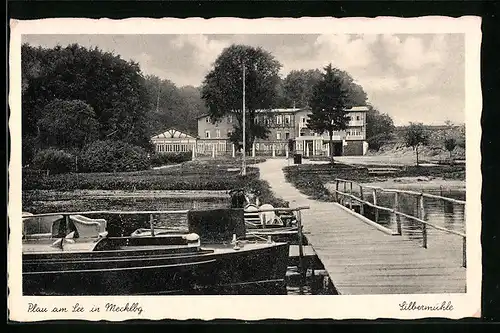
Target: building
{"x":283,"y":124}
{"x":173,"y":141}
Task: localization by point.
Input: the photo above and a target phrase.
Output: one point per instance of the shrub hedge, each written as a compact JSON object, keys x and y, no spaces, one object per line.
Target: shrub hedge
{"x":159,"y":159}
{"x":113,"y":156}
{"x":54,"y":160}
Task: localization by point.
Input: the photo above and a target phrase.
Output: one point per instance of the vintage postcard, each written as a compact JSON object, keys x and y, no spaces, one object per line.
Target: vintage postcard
{"x":312,"y":168}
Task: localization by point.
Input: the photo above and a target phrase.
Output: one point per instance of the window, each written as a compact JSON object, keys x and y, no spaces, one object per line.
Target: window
{"x":303,"y":120}
{"x":207,"y":119}
{"x":230,"y":119}
{"x":229,"y":133}
{"x":207,"y":134}
{"x":357,"y":117}
{"x":287,"y":135}
{"x":287,"y":119}
{"x":279,"y":119}
{"x":217,"y":133}
{"x":278,"y":135}
{"x":302,"y":134}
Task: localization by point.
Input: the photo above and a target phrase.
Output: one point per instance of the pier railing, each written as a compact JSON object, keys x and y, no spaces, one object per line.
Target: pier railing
{"x":347,"y":192}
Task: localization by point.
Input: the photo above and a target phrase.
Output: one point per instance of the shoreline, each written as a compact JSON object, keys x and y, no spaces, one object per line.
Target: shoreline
{"x":423,"y":183}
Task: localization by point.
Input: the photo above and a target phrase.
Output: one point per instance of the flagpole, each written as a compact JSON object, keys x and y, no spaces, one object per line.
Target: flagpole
{"x":244,"y":167}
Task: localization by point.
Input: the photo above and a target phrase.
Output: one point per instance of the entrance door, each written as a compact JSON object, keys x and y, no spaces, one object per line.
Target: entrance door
{"x":310,"y":147}
{"x":337,"y":149}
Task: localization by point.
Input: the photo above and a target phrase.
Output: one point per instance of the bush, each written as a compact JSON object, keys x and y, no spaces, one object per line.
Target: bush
{"x":54,"y":160}
{"x":159,"y":159}
{"x":28,"y":149}
{"x":113,"y":156}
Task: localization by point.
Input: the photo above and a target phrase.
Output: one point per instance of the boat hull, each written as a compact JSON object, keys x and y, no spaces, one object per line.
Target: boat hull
{"x":216,"y":269}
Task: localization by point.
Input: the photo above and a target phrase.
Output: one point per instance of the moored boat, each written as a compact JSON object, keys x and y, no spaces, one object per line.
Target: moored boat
{"x":75,"y":256}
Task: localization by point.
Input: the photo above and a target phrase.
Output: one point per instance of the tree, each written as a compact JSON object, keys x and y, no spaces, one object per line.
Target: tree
{"x":379,"y":128}
{"x":172,"y":106}
{"x":222,"y":88}
{"x":298,"y":86}
{"x":113,"y":87}
{"x":415,"y":136}
{"x":331,"y":96}
{"x":67,"y":124}
{"x":450,"y":144}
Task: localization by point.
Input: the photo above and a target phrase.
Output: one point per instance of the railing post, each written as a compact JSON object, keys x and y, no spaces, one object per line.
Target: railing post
{"x":350,"y":198}
{"x":336,"y":190}
{"x":397,"y":217}
{"x":464,"y":251}
{"x":362,"y":204}
{"x":421,"y":214}
{"x":424,"y":235}
{"x":344,"y":191}
{"x":375,"y":203}
{"x":151,"y":225}
{"x":66,"y":225}
{"x":301,"y":250}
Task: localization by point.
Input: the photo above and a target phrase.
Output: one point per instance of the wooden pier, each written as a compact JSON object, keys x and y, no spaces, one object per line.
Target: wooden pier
{"x":363,"y":258}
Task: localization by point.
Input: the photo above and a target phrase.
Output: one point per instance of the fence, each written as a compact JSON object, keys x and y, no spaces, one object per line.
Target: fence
{"x":348,"y":193}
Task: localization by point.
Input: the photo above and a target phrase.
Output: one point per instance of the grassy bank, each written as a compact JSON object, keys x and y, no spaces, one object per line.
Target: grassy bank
{"x":193,"y":176}
{"x":310,"y":179}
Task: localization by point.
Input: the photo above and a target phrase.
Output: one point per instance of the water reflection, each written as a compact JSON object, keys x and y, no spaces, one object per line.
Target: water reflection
{"x":446,"y":214}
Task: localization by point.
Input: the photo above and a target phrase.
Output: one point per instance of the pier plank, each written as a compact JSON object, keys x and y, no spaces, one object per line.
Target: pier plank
{"x":361,"y":259}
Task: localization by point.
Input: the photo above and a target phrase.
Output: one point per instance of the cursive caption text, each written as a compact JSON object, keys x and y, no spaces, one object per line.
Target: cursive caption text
{"x":77,"y":308}
{"x":414,"y":306}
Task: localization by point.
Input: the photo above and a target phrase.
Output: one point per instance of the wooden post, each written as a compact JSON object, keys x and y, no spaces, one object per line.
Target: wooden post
{"x":421,"y":214}
{"x":234,"y":151}
{"x":350,"y":198}
{"x":464,"y":251}
{"x":344,"y":191}
{"x":397,"y":217}
{"x":274,"y":152}
{"x":253,"y":150}
{"x":151,"y":225}
{"x":301,"y":250}
{"x":375,"y":203}
{"x":424,"y":235}
{"x":362,"y":204}
{"x":66,"y":221}
{"x":336,"y":190}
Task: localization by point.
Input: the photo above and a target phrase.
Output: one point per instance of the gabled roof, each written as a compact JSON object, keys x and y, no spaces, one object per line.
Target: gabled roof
{"x":173,"y":133}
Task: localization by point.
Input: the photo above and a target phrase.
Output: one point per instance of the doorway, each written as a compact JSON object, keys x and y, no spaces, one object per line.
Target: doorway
{"x":337,"y":149}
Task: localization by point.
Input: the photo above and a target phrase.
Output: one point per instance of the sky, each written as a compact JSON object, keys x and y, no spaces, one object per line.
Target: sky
{"x":412,"y":77}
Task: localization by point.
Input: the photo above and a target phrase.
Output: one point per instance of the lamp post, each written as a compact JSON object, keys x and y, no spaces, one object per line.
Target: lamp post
{"x":243,"y":162}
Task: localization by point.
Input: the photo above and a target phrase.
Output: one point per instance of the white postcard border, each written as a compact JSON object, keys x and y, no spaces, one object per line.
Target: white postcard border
{"x":254,"y":307}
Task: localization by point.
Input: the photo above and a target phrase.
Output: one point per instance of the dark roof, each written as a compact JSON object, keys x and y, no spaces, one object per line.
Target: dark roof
{"x":293,"y":110}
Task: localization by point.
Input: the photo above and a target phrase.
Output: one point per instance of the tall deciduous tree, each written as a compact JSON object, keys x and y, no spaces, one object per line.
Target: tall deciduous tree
{"x":113,"y":87}
{"x":415,"y":136}
{"x":223,"y":88}
{"x":379,"y":128}
{"x":331,"y":96}
{"x":298,"y":86}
